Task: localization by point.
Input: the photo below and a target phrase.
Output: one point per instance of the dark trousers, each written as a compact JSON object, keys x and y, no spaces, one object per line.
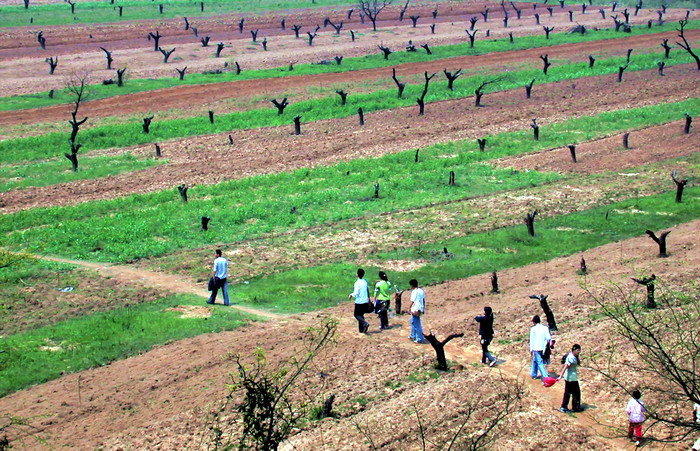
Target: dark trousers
{"x":485,"y":354}
{"x":359,"y":314}
{"x":383,"y":314}
{"x":573,"y":391}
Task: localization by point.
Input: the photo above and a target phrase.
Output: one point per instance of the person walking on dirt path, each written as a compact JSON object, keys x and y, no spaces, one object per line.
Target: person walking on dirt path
{"x":220,"y":273}
{"x":382,"y":299}
{"x":539,"y":337}
{"x":635,"y":410}
{"x":416,"y":310}
{"x":362,"y":304}
{"x":569,"y":374}
{"x":486,"y":334}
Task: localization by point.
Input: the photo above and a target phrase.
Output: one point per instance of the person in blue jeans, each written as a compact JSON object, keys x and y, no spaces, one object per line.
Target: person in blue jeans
{"x":220,"y":273}
{"x":539,"y":337}
{"x":417,"y":309}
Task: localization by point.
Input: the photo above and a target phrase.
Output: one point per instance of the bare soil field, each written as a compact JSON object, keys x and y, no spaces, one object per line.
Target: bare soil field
{"x":160,"y":400}
{"x":187,"y":95}
{"x":275,"y":149}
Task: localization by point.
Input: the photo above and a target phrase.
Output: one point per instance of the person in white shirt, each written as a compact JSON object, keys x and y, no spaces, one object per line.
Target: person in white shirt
{"x":362,"y":304}
{"x":417,"y":309}
{"x":539,"y":337}
{"x":220,"y":273}
{"x":696,"y":418}
{"x":635,"y":410}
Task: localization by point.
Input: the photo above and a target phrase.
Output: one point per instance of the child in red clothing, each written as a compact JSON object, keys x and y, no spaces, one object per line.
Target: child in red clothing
{"x":635,"y":410}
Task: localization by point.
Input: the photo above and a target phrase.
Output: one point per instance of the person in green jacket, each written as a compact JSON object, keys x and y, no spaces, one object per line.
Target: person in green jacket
{"x":382,"y":299}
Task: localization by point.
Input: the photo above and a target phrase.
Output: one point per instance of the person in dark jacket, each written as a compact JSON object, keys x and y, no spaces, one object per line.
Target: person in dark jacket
{"x":486,"y":333}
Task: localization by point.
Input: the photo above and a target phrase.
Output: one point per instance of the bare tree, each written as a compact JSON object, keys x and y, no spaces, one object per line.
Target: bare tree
{"x":52,"y":62}
{"x":108,"y":57}
{"x":439,"y":347}
{"x":77,"y":87}
{"x":530,"y":222}
{"x":385,"y":50}
{"x":666,"y":47}
{"x":551,"y":323}
{"x":421,"y":100}
{"x":181,"y":73}
{"x":156,"y":39}
{"x":660,"y":240}
{"x":267,"y":412}
{"x":205,"y":41}
{"x":280,"y":105}
{"x":472,"y":37}
{"x":372,"y":8}
{"x":166,"y":53}
{"x":121,"y":76}
{"x":400,"y":86}
{"x":685,"y":45}
{"x":479,"y":91}
{"x":665,"y":345}
{"x":296,"y":29}
{"x":403,"y":10}
{"x":546,"y":63}
{"x":451,"y":78}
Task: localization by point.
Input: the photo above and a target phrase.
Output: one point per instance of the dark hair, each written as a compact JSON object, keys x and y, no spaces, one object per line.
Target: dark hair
{"x":575,"y":347}
{"x":218,"y":252}
{"x":636,"y":394}
{"x":413,"y":283}
{"x":360,"y":273}
{"x":536,"y":319}
{"x":382,"y":275}
{"x":488,"y":311}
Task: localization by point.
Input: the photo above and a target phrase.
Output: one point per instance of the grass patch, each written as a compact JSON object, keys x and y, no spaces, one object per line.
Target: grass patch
{"x":499,"y":249}
{"x":58,"y":171}
{"x":98,"y":91}
{"x":123,"y":135}
{"x":154,"y":224}
{"x":39,"y":355}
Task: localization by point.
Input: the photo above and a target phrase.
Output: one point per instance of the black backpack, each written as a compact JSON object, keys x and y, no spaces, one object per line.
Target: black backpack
{"x":563,"y":358}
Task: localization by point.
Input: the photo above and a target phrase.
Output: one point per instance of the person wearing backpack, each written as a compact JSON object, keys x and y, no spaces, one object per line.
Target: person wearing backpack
{"x":382,"y":299}
{"x":572,"y":390}
{"x":417,"y":309}
{"x":486,"y":334}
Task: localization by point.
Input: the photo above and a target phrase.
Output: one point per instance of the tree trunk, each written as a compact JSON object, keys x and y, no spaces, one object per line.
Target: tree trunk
{"x":582,"y":267}
{"x":376,"y":190}
{"x":649,"y":283}
{"x":494,"y":283}
{"x":660,"y":240}
{"x":688,"y":122}
{"x":626,"y":140}
{"x":397,"y":302}
{"x":547,"y":311}
{"x":205,"y":222}
{"x":439,"y":347}
{"x":182,"y":189}
{"x":361,"y":116}
{"x":211,"y":117}
{"x":157,"y":150}
{"x":451,"y":182}
{"x":680,"y":185}
{"x":328,"y":407}
{"x":297,"y":125}
{"x":530,"y":223}
{"x":572,"y":150}
{"x":343,"y":96}
{"x":147,"y":124}
{"x":528,"y":88}
{"x":482,"y":143}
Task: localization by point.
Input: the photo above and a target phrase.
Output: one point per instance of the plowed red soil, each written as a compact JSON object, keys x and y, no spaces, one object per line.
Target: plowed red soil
{"x":210,"y":159}
{"x":187,"y":95}
{"x":159,"y":400}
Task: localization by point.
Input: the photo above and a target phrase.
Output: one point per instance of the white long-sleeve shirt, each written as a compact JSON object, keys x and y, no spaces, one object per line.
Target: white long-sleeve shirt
{"x":635,"y":410}
{"x":539,"y":336}
{"x":361,"y":292}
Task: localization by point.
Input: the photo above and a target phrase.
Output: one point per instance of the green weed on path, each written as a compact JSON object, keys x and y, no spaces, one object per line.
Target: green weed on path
{"x":123,"y":135}
{"x":158,"y":223}
{"x":39,"y":355}
{"x":374,"y":60}
{"x":323,"y":286}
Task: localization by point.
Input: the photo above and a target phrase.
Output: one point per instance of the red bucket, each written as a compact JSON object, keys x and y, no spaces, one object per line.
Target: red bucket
{"x":549,"y":381}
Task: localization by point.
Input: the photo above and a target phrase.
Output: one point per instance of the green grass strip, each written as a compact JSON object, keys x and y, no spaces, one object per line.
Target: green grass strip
{"x":630,"y":4}
{"x":96,"y":12}
{"x":58,"y":171}
{"x":324,"y":286}
{"x":122,"y":135}
{"x":43,"y":354}
{"x":98,"y":91}
{"x":158,"y":223}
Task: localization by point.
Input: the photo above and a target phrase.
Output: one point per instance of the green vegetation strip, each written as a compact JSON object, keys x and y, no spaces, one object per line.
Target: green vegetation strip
{"x":42,"y":354}
{"x":122,"y":135}
{"x":95,"y":12}
{"x":158,"y":223}
{"x":372,"y":61}
{"x":323,"y":286}
{"x":58,"y":171}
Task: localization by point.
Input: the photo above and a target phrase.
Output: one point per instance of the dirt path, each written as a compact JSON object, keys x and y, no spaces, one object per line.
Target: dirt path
{"x":160,"y":399}
{"x":274,"y":149}
{"x":168,"y":282}
{"x":187,"y":95}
